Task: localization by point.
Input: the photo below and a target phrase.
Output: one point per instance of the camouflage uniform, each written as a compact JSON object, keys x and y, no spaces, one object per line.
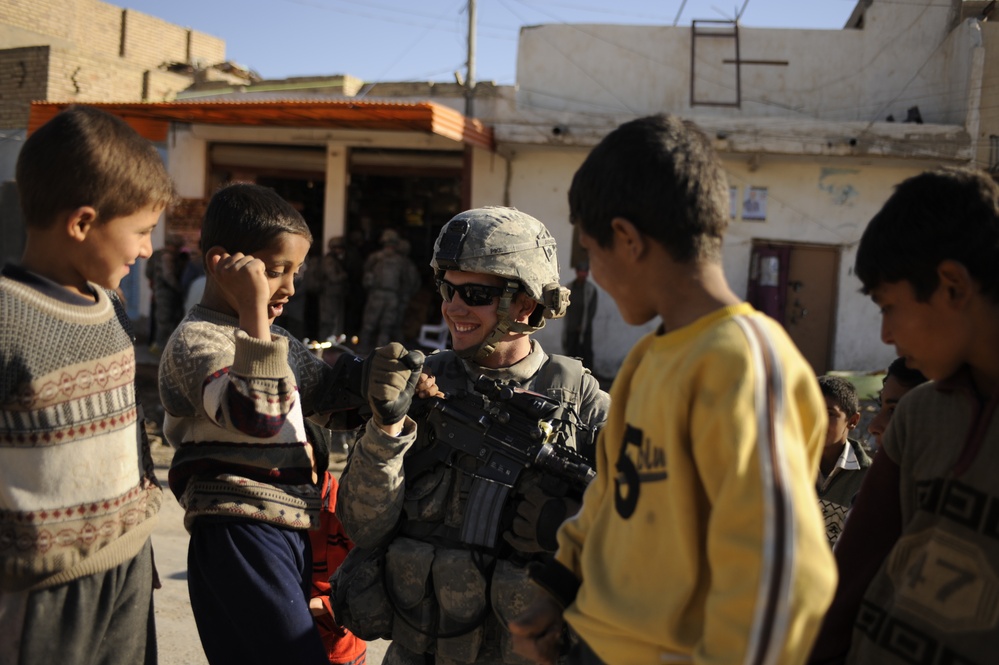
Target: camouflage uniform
{"x":333,"y":290}
{"x":444,"y":601}
{"x":411,"y":284}
{"x":166,"y":266}
{"x":384,"y":279}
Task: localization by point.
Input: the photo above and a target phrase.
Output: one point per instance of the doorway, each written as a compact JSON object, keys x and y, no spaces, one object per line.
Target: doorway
{"x":796,"y":284}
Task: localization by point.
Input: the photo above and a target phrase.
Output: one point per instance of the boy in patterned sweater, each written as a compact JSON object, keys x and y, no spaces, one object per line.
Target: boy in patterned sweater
{"x":235,"y":389}
{"x":78,"y":498}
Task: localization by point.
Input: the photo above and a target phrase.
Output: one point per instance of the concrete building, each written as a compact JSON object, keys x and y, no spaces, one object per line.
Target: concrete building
{"x":814,"y":128}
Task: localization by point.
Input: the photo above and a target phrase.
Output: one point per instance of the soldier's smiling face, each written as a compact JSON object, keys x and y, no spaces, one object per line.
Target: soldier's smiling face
{"x":469,"y":325}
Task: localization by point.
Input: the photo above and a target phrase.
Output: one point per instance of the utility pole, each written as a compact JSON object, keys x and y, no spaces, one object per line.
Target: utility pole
{"x":470,"y":71}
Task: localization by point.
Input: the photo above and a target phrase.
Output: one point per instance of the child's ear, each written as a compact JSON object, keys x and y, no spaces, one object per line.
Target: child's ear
{"x":853,"y":421}
{"x":213,"y":256}
{"x":79,"y":222}
{"x":956,"y":281}
{"x":632,"y":240}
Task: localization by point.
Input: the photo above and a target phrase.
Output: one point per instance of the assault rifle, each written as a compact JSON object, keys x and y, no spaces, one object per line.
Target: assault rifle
{"x":507,"y":430}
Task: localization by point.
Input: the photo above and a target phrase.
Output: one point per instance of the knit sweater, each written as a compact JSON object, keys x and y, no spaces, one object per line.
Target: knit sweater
{"x":77,"y":490}
{"x":234,"y":410}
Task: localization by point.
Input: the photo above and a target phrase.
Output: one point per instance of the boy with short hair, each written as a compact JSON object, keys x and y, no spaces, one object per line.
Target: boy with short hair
{"x":78,"y":495}
{"x":898,"y":381}
{"x":700,"y":539}
{"x":844,"y":461}
{"x":919,"y":557}
{"x":235,"y":389}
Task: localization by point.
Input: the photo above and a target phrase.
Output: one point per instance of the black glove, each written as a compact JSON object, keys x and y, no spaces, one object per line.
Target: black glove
{"x":537,"y":521}
{"x":390,"y":376}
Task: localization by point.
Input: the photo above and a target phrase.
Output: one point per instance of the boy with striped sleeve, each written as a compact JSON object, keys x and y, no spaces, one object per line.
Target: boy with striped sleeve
{"x":700,"y":540}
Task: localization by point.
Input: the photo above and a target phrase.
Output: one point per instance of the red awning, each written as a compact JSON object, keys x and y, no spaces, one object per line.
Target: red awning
{"x":152,"y":120}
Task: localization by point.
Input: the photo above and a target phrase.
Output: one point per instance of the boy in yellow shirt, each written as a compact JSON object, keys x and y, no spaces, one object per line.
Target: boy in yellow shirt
{"x":700,"y":540}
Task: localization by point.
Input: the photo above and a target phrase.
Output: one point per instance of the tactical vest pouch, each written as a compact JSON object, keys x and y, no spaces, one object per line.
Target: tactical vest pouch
{"x":462,"y":594}
{"x":357,"y":594}
{"x":512,"y":593}
{"x":427,"y":494}
{"x":408,"y":564}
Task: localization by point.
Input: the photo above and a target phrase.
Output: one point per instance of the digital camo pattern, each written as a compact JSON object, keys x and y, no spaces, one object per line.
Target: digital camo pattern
{"x":508,"y":243}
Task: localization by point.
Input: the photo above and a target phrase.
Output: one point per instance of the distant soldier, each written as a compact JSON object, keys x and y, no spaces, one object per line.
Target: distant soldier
{"x":167,"y":266}
{"x":384,"y":275}
{"x":333,"y":290}
{"x":411,"y":286}
{"x":577,"y":333}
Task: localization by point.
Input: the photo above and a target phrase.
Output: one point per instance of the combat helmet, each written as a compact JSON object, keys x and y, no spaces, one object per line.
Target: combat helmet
{"x":510,"y":244}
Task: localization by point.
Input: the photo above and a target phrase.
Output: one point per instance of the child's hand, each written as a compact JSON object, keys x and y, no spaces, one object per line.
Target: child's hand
{"x":426,"y":387}
{"x":316,"y":607}
{"x":537,"y":633}
{"x":242,"y":279}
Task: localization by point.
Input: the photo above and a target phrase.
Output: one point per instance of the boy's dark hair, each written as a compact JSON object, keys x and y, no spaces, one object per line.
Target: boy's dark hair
{"x":662,"y":175}
{"x":87,"y":157}
{"x":910,"y":378}
{"x":841,"y":392}
{"x":932,"y":217}
{"x":247,"y":218}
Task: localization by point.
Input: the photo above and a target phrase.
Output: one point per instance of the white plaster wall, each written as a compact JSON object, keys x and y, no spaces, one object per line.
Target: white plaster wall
{"x":489,"y":173}
{"x":809,"y":201}
{"x":826,"y":202}
{"x":188,"y":162}
{"x":903,"y":57}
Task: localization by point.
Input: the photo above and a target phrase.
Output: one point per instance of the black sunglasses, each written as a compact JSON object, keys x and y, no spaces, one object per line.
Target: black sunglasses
{"x":473,"y":295}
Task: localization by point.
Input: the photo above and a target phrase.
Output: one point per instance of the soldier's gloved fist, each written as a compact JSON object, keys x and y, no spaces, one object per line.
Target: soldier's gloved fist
{"x":538,"y":518}
{"x":390,"y":378}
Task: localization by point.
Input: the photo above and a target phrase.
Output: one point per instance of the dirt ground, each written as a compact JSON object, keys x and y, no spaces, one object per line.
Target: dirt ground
{"x":176,"y":632}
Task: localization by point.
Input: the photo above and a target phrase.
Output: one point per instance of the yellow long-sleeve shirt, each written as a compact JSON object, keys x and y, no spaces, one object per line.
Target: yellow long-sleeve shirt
{"x":701,"y":540}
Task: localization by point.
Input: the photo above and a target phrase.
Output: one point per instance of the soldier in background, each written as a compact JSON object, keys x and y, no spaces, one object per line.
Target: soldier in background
{"x":440,"y":599}
{"x":411,"y":285}
{"x":384,"y":275}
{"x":333,"y":290}
{"x":577,"y":333}
{"x":165,"y":268}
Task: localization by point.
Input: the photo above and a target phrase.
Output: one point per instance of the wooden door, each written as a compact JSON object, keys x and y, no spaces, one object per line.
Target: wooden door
{"x":810,"y":302}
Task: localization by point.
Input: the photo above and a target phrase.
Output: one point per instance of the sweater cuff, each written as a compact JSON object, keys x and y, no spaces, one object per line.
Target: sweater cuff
{"x":256,"y":358}
{"x":560,"y":582}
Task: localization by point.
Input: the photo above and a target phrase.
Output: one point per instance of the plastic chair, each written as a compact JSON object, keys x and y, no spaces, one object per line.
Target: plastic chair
{"x":433,"y":335}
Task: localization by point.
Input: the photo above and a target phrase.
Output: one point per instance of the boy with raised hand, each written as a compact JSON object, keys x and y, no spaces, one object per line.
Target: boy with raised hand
{"x":78,"y":497}
{"x":919,"y":557}
{"x":236,"y":389}
{"x":844,"y":461}
{"x":700,"y":540}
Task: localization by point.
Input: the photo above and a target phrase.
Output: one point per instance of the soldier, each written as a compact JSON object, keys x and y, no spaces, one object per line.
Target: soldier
{"x":333,"y":290}
{"x":411,"y":286}
{"x":384,"y":280}
{"x":441,"y":598}
{"x":577,"y":331}
{"x":164,"y":270}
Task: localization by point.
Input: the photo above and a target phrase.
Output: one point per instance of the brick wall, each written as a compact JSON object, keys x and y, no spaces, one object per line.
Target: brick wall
{"x":23,"y":79}
{"x":96,"y":52}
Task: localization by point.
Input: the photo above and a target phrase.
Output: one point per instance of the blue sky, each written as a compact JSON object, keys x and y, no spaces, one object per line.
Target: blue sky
{"x":408,"y":40}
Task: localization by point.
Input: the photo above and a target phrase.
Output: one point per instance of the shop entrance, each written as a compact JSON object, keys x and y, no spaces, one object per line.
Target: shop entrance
{"x":415,"y":194}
